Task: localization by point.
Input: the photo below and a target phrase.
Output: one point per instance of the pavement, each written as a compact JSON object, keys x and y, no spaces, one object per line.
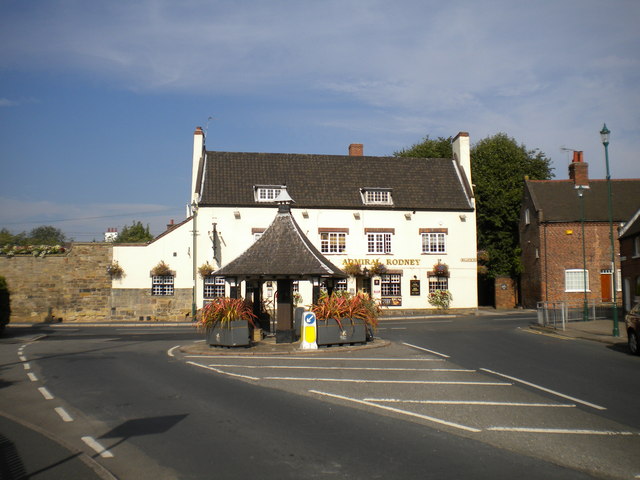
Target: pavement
{"x":595,"y":330}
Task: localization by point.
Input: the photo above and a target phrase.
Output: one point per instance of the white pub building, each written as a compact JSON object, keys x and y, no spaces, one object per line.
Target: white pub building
{"x":398,"y":227}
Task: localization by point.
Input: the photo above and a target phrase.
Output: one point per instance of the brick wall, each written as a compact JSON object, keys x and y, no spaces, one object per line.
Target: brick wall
{"x":559,"y":248}
{"x":506,"y":293}
{"x":77,"y":288}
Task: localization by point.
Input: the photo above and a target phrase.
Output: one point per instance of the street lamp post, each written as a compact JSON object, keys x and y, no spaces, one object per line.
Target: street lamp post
{"x":604,"y":135}
{"x":585,"y":308}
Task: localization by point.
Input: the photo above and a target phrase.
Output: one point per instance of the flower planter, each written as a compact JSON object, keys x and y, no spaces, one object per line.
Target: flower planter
{"x":230,"y":334}
{"x":330,"y":333}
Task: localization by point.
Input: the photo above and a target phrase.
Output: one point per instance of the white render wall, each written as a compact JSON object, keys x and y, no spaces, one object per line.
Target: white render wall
{"x":236,"y":236}
{"x":137,"y":260}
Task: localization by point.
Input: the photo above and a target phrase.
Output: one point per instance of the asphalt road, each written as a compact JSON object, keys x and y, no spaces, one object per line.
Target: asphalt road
{"x":142,"y":413}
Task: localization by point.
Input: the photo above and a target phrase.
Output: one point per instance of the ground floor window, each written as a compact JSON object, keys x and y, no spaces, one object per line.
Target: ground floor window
{"x":390,"y":285}
{"x":162,"y":285}
{"x":213,"y":287}
{"x":341,"y":285}
{"x":576,"y":280}
{"x":438,"y":283}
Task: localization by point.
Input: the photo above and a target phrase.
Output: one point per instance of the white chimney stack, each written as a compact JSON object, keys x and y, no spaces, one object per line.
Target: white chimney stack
{"x":198,"y":153}
{"x":462,"y":153}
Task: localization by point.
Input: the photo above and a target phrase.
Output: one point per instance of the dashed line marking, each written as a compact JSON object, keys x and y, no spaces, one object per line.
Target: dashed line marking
{"x":32,"y":377}
{"x":22,"y":358}
{"x":397,"y":410}
{"x":544,"y":389}
{"x":26,"y":366}
{"x":45,"y":393}
{"x":426,"y":350}
{"x":63,"y":414}
{"x":95,"y":445}
{"x":329,"y":359}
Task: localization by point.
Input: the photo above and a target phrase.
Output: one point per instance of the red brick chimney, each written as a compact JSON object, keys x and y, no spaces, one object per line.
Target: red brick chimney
{"x":579,"y":170}
{"x":356,"y":150}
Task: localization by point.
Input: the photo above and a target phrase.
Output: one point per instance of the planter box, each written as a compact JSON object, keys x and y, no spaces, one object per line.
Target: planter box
{"x":232,"y":334}
{"x":353,"y":331}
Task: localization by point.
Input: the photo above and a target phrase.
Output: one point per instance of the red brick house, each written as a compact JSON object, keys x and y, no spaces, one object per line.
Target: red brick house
{"x":630,"y":261}
{"x":554,"y":267}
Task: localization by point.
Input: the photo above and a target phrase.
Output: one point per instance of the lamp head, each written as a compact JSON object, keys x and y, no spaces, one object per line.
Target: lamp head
{"x":604,"y":135}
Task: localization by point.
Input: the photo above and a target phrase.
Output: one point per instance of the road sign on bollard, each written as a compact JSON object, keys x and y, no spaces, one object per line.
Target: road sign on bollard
{"x":309,"y":332}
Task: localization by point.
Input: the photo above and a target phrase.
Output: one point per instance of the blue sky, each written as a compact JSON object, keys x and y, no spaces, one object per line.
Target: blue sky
{"x":99,"y":100}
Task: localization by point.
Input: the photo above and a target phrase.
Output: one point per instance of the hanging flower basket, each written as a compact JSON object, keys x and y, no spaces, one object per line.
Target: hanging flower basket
{"x":441,"y":270}
{"x":353,"y":269}
{"x":115,"y":270}
{"x":377,"y":268}
{"x":161,"y":270}
{"x":206,"y":270}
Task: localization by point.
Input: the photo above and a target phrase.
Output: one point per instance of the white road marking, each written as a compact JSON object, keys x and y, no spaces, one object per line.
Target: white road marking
{"x":329,"y":359}
{"x":32,"y":377}
{"x":170,"y":351}
{"x":22,"y":358}
{"x":63,"y":414}
{"x":471,"y":402}
{"x":222,"y":372}
{"x":45,"y":393}
{"x":565,"y":431}
{"x":524,"y":382}
{"x":412,"y":382}
{"x":426,"y":350}
{"x":99,"y":449}
{"x":381,"y":369}
{"x":397,"y":410}
{"x":26,"y":366}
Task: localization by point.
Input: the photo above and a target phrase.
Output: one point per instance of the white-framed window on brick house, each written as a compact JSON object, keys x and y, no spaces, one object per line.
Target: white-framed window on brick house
{"x":213,"y":287}
{"x":574,"y":280}
{"x":376,"y":196}
{"x":390,"y":285}
{"x":434,"y":240}
{"x":162,"y":285}
{"x":438,"y":283}
{"x":379,"y":239}
{"x":333,"y":240}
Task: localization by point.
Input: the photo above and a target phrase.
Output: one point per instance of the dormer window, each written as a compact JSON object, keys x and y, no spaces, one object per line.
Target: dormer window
{"x":268,"y":193}
{"x":376,"y":196}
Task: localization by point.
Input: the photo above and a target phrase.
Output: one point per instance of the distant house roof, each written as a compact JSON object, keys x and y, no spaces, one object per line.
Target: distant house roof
{"x":632,"y":227}
{"x":333,"y":181}
{"x":283,"y":251}
{"x":557,"y":200}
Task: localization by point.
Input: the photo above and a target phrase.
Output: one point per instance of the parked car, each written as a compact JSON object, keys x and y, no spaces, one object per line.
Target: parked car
{"x":632,"y":322}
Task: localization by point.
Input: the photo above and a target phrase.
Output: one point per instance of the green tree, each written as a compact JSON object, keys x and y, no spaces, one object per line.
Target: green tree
{"x":46,"y":235}
{"x":428,"y":148}
{"x":6,"y":237}
{"x":498,"y":166}
{"x":136,"y":233}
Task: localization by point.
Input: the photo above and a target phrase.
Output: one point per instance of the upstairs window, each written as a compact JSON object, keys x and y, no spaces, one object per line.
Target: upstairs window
{"x":376,"y":196}
{"x":267,"y":193}
{"x":434,"y":243}
{"x":333,"y":240}
{"x":379,"y":243}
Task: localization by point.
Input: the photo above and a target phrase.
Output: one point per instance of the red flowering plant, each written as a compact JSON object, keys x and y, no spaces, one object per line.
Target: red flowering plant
{"x":222,"y":311}
{"x":342,"y":305}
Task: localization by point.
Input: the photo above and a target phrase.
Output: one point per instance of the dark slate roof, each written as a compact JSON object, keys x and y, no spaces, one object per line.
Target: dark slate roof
{"x":282,"y":251}
{"x":333,"y":181}
{"x":632,"y":228}
{"x":558,"y":200}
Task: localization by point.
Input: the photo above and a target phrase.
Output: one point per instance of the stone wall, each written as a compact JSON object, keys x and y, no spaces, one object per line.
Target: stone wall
{"x":75,"y":287}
